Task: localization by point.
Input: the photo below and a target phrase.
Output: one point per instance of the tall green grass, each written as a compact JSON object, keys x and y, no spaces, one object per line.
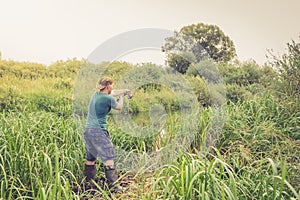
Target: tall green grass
{"x":196,"y":177}
{"x":42,"y":150}
{"x":41,"y":155}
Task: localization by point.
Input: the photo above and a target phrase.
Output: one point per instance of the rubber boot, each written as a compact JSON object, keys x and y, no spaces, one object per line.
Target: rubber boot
{"x":90,"y":172}
{"x":112,"y":177}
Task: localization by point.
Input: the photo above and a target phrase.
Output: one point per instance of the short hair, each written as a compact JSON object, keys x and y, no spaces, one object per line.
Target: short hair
{"x":104,"y":82}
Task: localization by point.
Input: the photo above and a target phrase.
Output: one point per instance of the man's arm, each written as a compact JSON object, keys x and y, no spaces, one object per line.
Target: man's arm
{"x":119,"y":92}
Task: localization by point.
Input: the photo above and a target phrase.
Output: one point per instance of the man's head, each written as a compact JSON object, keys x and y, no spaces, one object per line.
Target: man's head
{"x":105,"y":84}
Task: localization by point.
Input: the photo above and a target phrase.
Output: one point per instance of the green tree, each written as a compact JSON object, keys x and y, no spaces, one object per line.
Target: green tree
{"x":203,"y":41}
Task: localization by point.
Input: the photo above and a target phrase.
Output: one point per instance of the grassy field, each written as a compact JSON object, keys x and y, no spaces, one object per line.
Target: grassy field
{"x":42,"y":151}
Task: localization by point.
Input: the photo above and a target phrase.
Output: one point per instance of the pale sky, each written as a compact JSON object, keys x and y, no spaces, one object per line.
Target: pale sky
{"x":48,"y":30}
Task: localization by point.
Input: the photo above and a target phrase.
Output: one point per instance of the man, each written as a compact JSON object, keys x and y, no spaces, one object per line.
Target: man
{"x":96,"y":136}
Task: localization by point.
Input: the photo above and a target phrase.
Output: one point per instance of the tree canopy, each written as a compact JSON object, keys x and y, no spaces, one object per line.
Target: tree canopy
{"x":202,"y":41}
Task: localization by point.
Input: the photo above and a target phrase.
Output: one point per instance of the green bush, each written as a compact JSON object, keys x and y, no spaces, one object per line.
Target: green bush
{"x":200,"y":90}
{"x":207,"y":70}
{"x":236,"y":93}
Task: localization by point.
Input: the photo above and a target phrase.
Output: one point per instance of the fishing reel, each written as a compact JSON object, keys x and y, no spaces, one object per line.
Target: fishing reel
{"x":128,"y":94}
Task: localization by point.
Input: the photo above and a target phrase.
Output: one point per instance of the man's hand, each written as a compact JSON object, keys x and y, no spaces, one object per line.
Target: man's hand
{"x":120,"y":103}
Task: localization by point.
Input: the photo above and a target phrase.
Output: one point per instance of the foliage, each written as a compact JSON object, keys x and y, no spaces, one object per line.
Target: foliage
{"x":207,"y":70}
{"x":28,"y":70}
{"x":116,"y":69}
{"x":212,"y":39}
{"x":242,"y":74}
{"x":289,"y":68}
{"x":62,"y":69}
{"x":180,"y":62}
{"x":196,"y":177}
{"x":25,"y":70}
{"x":269,"y":77}
{"x":200,"y":89}
{"x":263,"y":127}
{"x":256,"y":156}
{"x":196,"y":42}
{"x":34,"y":162}
{"x":236,"y":93}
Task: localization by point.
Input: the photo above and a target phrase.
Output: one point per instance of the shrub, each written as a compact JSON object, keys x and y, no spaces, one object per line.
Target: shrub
{"x":207,"y":70}
{"x":237,"y":93}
